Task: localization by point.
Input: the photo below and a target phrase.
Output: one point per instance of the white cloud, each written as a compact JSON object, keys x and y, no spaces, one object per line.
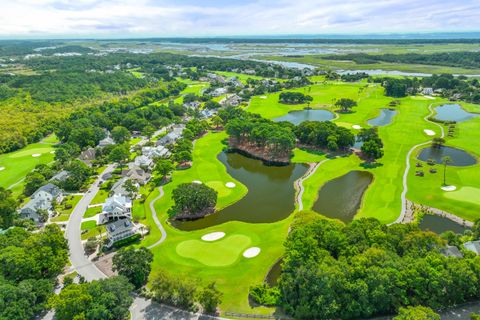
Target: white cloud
{"x":216,"y":17}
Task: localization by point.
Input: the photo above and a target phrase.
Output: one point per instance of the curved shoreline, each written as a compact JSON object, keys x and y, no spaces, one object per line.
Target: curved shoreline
{"x":313,"y":166}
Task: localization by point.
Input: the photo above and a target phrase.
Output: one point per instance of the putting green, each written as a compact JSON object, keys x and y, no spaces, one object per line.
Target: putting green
{"x":466,"y":194}
{"x":214,"y":254}
{"x":30,"y":152}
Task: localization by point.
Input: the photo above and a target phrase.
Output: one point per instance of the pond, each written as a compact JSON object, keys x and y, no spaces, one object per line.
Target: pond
{"x":439,"y":224}
{"x":452,"y":112}
{"x":274,"y":273}
{"x":297,"y":117}
{"x":270,"y":197}
{"x":340,"y":198}
{"x":459,"y":157}
{"x":385,"y":117}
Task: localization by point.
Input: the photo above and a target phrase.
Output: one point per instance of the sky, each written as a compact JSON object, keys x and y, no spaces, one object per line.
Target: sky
{"x":167,"y":18}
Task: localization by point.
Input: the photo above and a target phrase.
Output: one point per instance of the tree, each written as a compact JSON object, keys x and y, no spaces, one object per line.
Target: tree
{"x":438,"y":142}
{"x":130,"y":187}
{"x":134,"y":264}
{"x":107,"y":299}
{"x":346,"y":104}
{"x":372,"y":150}
{"x":445,"y":161}
{"x":210,"y":298}
{"x":182,"y":157}
{"x":179,"y":291}
{"x":217,"y":121}
{"x":211,"y":105}
{"x":120,"y":134}
{"x":164,"y":167}
{"x":417,"y":313}
{"x":7,"y":208}
{"x":119,"y":154}
{"x":33,"y":181}
{"x":193,"y":200}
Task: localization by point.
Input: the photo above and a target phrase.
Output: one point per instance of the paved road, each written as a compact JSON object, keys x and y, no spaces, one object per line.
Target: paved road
{"x":79,"y":261}
{"x":407,"y":168}
{"x":157,"y":221}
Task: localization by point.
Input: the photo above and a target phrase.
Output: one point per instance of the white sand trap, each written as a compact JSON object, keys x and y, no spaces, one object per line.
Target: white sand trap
{"x":449,"y":188}
{"x":429,"y":97}
{"x":213,"y":236}
{"x":356,"y":126}
{"x":197,"y":181}
{"x":429,"y":132}
{"x":263,"y":97}
{"x":2,"y":168}
{"x":36,"y":155}
{"x":251,"y":252}
{"x":230,"y":185}
{"x":52,"y":152}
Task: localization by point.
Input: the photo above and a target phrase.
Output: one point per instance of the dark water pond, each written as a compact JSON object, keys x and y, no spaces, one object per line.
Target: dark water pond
{"x":270,"y":196}
{"x":452,"y":112}
{"x":297,"y":117}
{"x":385,"y":117}
{"x":274,"y":273}
{"x":459,"y":157}
{"x":340,"y":198}
{"x":439,"y":224}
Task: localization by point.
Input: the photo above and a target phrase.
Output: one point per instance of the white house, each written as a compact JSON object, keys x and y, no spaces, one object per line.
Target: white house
{"x":143,"y":161}
{"x":427,"y":91}
{"x":116,"y":207}
{"x":106,"y":142}
{"x":218,"y":92}
{"x":42,"y":199}
{"x":119,"y":230}
{"x":231,"y":100}
{"x":156,"y":152}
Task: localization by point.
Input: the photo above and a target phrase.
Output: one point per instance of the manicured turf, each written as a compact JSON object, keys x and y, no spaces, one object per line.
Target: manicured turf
{"x":218,"y":253}
{"x":18,"y":163}
{"x":93,"y":211}
{"x":87,"y":225}
{"x":69,"y":201}
{"x":465,"y":194}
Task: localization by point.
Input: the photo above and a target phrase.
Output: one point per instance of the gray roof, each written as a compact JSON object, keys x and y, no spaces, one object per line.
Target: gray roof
{"x":116,"y":227}
{"x":48,"y":188}
{"x":451,"y":251}
{"x":61,"y":176}
{"x":473,"y":246}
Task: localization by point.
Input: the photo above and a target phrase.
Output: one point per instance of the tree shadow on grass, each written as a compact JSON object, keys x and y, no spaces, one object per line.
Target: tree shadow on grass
{"x":371,"y":165}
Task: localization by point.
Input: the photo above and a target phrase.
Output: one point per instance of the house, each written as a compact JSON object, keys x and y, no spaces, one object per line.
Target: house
{"x":143,"y":161}
{"x":231,"y":100}
{"x":42,"y":199}
{"x":61,"y":176}
{"x":473,"y":246}
{"x":87,"y":156}
{"x":107,"y":141}
{"x":119,"y":188}
{"x":136,"y":174}
{"x":156,"y":152}
{"x":192,"y":105}
{"x":451,"y":251}
{"x":207,"y":113}
{"x":116,"y":207}
{"x":119,"y":230}
{"x":427,"y":91}
{"x":233,"y":81}
{"x":172,"y":136}
{"x":218,"y":92}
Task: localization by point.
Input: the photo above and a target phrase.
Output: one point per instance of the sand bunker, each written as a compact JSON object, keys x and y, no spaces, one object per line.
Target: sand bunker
{"x":251,"y":252}
{"x":52,"y":152}
{"x":429,"y":97}
{"x":449,"y":188}
{"x":356,"y":126}
{"x":263,"y":97}
{"x":230,"y":185}
{"x":2,"y":168}
{"x":213,"y":236}
{"x":36,"y":155}
{"x":429,"y":132}
{"x":197,"y":181}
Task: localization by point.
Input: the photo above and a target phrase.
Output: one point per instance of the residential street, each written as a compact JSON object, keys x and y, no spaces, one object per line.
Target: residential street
{"x":79,"y":261}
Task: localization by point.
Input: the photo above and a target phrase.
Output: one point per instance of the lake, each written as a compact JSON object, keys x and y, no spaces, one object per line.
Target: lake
{"x":439,"y":224}
{"x":385,"y":117}
{"x":270,"y":197}
{"x":459,"y":157}
{"x":452,"y":112}
{"x":297,"y":117}
{"x":340,"y":198}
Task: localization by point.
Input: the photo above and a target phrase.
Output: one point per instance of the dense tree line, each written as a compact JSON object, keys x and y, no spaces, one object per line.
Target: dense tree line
{"x":323,"y":135}
{"x":366,"y":268}
{"x":463,"y":59}
{"x":29,"y":264}
{"x":192,"y":201}
{"x":372,"y":146}
{"x":294,"y":97}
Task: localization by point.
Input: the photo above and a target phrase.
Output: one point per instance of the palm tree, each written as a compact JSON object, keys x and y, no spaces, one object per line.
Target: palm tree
{"x":445,"y":160}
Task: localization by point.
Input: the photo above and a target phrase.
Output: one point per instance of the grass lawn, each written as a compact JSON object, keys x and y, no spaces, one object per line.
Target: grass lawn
{"x":101,"y":196}
{"x":66,"y":208}
{"x":93,"y":211}
{"x":17,"y":164}
{"x":93,"y":231}
{"x":87,"y":225}
{"x":232,"y":273}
